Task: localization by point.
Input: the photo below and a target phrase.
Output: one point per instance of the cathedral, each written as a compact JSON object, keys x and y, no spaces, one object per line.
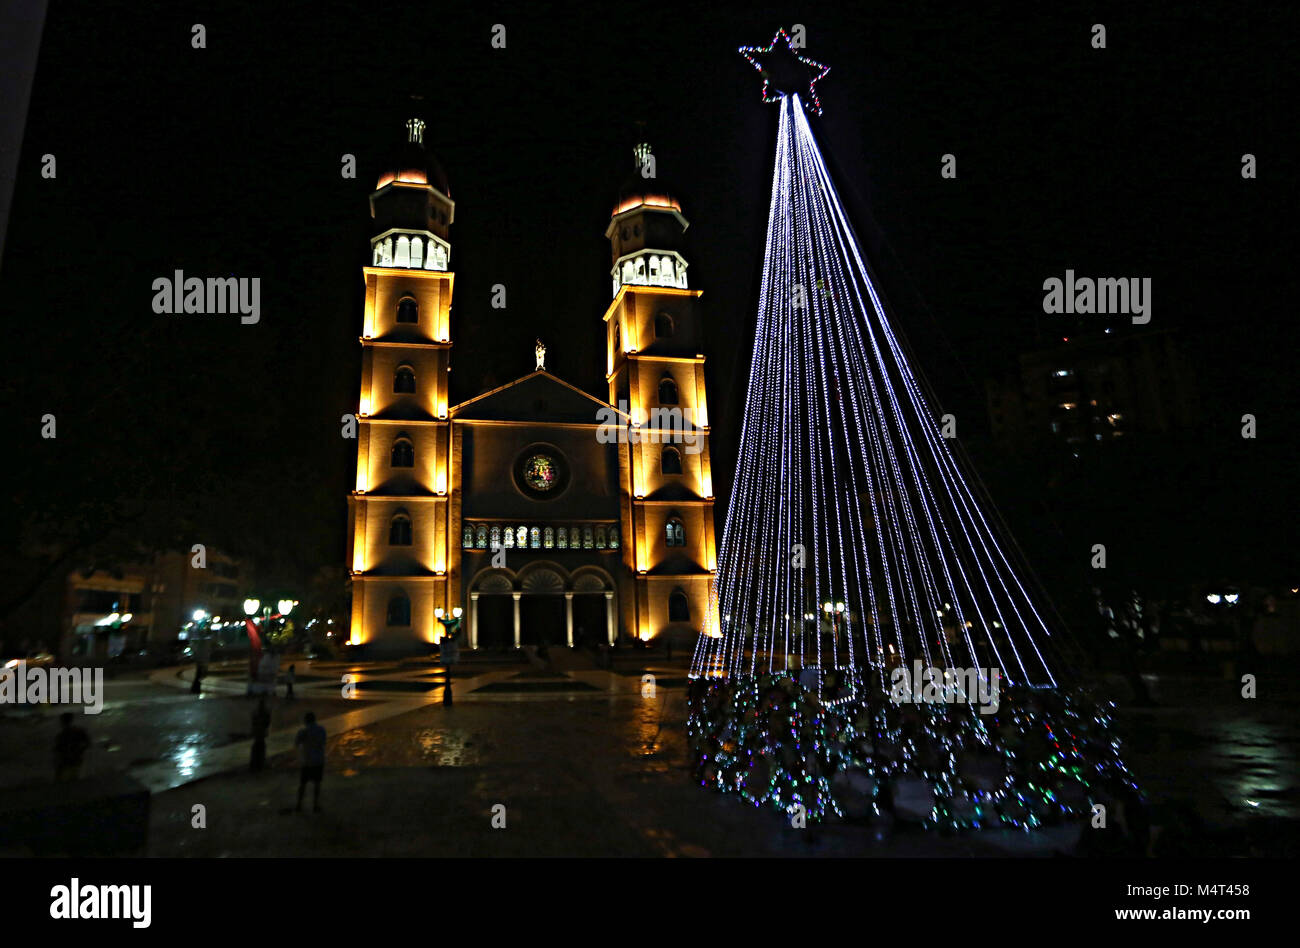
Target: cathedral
{"x":540,"y":512}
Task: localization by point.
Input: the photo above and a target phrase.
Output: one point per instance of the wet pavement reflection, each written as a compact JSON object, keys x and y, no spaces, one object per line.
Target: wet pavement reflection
{"x":608,"y":774}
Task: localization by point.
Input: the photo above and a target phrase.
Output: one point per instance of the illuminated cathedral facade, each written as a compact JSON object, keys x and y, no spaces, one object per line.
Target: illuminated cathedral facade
{"x":542,"y":513}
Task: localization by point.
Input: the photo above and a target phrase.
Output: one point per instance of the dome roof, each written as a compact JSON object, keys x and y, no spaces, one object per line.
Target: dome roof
{"x":409,"y":162}
{"x":638,"y":190}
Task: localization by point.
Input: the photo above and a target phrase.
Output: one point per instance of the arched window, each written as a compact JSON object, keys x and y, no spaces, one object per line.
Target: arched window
{"x":403,"y":256}
{"x":399,"y":531}
{"x":681,"y":276}
{"x":670,"y":460}
{"x":399,"y":610}
{"x":417,"y":252}
{"x":521,"y":537}
{"x":535,"y":536}
{"x":403,"y":452}
{"x":629,"y":271}
{"x":679,"y":609}
{"x":467,"y":537}
{"x":548,"y":538}
{"x":508,"y":538}
{"x":617,"y":336}
{"x":494,"y":537}
{"x":588,"y":541}
{"x":388,"y":252}
{"x":408,"y":311}
{"x":600,"y":538}
{"x":640,"y":269}
{"x":379,"y":255}
{"x":481,"y":537}
{"x":667,"y":392}
{"x":663,"y":326}
{"x":575,"y":542}
{"x":613,"y":538}
{"x":666,"y":271}
{"x":404,"y":380}
{"x":654,"y":269}
{"x":562,"y":539}
{"x":675,"y":532}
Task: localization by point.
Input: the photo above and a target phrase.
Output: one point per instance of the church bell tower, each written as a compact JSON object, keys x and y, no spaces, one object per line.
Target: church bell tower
{"x":397,"y":513}
{"x":655,"y":371}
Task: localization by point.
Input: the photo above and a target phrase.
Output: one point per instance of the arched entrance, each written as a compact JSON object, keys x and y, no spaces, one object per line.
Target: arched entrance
{"x":541,"y":607}
{"x":492,"y":609}
{"x":543,"y":602}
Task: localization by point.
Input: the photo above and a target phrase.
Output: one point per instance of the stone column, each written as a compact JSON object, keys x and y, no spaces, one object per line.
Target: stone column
{"x":611,"y":626}
{"x":517,"y":597}
{"x":568,"y":618}
{"x":473,"y":620}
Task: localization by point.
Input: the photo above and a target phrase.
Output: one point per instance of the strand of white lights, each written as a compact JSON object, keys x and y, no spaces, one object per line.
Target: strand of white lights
{"x":841,"y":457}
{"x":940,"y":452}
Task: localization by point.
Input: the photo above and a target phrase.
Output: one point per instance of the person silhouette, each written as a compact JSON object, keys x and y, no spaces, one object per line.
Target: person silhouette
{"x":311,"y":740}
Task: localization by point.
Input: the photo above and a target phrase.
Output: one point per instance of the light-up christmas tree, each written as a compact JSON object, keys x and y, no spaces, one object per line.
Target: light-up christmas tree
{"x":859,"y":552}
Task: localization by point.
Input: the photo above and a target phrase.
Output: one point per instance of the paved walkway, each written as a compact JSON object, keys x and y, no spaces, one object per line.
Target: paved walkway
{"x":388,"y":690}
{"x":583,"y":762}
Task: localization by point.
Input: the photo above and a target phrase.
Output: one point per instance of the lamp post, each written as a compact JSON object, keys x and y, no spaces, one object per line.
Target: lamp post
{"x":201,"y":647}
{"x":256,"y":638}
{"x":448,"y":646}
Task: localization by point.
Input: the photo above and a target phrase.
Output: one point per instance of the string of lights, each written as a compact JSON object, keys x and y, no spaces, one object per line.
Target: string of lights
{"x":853,"y":539}
{"x":854,"y":547}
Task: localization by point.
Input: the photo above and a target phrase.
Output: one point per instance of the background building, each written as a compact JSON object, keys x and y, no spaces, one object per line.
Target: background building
{"x":1095,"y":387}
{"x":112,"y":609}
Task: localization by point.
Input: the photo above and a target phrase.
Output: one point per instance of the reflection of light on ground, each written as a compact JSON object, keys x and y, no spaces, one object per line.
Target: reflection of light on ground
{"x":446,"y":748}
{"x":187,"y":759}
{"x":358,"y":743}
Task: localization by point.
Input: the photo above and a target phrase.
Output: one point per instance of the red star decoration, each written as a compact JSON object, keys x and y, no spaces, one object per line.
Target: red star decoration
{"x":753,"y":54}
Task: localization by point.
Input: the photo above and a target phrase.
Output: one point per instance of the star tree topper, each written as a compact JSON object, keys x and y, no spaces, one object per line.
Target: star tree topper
{"x":783,"y":76}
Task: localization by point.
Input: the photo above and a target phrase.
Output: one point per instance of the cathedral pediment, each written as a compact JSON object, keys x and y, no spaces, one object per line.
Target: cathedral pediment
{"x":538,"y":398}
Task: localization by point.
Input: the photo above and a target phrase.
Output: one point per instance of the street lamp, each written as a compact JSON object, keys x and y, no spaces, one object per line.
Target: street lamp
{"x":202,"y":647}
{"x":251,"y":608}
{"x":449,"y":648}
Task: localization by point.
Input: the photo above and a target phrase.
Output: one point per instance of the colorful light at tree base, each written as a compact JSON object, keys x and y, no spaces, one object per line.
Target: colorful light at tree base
{"x":1045,"y":756}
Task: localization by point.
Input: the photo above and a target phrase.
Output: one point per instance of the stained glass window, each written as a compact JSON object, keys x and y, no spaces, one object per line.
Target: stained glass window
{"x":613,"y":538}
{"x":521,"y":537}
{"x":509,"y":538}
{"x":562,"y":538}
{"x":600,"y":538}
{"x":541,"y":473}
{"x":536,"y":537}
{"x":467,"y":536}
{"x":548,"y":537}
{"x":586,"y":538}
{"x":574,"y":541}
{"x":494,"y":537}
{"x":482,"y":537}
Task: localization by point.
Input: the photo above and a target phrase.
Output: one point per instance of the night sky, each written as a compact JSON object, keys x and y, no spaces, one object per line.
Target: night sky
{"x":226,"y":160}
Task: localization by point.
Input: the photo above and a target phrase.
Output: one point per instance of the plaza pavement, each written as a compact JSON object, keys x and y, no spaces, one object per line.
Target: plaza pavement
{"x":583,"y":762}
